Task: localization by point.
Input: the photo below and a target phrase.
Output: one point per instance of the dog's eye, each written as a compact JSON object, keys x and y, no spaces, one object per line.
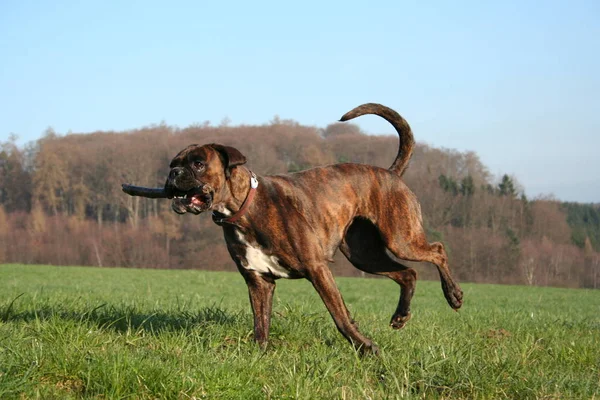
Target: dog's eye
{"x":199,"y":164}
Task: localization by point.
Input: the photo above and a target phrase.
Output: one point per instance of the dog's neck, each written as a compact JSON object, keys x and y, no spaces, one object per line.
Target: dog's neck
{"x":236,"y":191}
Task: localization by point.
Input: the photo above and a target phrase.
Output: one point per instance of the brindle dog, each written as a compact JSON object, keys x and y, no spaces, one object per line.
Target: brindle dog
{"x":290,"y":226}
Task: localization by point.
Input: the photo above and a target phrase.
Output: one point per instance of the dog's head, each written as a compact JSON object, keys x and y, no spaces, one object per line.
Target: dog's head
{"x":198,"y":176}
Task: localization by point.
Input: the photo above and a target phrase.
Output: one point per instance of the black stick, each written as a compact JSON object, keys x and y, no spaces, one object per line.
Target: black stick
{"x":152,"y":193}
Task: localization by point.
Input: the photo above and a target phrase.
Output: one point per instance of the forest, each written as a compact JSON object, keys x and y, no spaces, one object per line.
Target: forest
{"x":61,"y":203}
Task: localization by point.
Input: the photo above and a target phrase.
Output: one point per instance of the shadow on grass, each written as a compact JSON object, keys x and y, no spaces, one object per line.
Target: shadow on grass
{"x":123,"y":319}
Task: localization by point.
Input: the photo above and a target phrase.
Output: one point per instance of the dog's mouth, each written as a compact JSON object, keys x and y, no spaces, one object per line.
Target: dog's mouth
{"x":193,"y":201}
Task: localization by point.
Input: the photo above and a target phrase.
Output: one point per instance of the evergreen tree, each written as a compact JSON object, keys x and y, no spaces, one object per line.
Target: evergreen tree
{"x":507,"y":187}
{"x":467,"y":187}
{"x":448,"y":184}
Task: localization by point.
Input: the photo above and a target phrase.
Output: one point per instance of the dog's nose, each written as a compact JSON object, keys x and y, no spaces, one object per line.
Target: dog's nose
{"x":175,"y":172}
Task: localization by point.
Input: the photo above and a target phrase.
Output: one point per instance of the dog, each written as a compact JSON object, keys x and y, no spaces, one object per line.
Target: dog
{"x":290,"y":226}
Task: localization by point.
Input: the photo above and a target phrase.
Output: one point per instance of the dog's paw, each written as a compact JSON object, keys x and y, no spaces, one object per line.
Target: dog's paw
{"x":398,"y":321}
{"x":369,"y":348}
{"x":455,"y":298}
{"x":453,"y":295}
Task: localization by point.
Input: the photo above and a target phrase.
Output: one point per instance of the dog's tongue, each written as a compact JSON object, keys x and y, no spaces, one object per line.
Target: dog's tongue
{"x":196,"y":200}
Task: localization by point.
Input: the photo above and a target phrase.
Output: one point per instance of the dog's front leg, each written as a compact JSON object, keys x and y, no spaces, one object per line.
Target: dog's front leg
{"x":261,"y":290}
{"x":323,"y":282}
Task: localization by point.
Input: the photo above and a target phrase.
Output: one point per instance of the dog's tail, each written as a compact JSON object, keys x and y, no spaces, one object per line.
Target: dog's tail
{"x":407,"y":141}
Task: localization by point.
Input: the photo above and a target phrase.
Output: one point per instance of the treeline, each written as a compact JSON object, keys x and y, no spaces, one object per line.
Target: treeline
{"x":61,"y":203}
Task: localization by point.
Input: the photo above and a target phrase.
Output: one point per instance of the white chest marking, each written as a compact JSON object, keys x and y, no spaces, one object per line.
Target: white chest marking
{"x":223,"y":210}
{"x":260,"y":262}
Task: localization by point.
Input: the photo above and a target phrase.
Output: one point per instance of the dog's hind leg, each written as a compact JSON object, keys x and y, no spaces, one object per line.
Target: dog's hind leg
{"x":407,"y":279}
{"x":436,"y":254}
{"x":364,"y":248}
{"x":417,"y":248}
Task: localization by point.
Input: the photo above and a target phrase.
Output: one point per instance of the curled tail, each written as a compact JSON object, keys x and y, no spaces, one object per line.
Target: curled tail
{"x":407,"y":141}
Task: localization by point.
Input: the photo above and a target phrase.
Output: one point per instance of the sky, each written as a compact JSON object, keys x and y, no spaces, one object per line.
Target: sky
{"x":517,"y":82}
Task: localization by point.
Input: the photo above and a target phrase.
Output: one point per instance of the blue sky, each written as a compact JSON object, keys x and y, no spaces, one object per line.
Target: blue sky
{"x":518,"y":82}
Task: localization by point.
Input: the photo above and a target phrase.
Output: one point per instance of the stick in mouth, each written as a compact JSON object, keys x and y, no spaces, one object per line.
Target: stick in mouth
{"x":151,"y":193}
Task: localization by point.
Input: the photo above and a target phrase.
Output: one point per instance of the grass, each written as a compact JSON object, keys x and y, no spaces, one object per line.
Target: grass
{"x":69,"y":332}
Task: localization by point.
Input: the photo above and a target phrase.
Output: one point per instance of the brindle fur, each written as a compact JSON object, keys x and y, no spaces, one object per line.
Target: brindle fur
{"x":303,"y":218}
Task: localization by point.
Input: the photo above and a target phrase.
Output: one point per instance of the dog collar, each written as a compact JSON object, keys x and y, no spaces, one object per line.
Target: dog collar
{"x":245,"y":204}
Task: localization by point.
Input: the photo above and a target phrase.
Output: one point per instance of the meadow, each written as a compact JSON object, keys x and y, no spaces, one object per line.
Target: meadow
{"x":74,"y":332}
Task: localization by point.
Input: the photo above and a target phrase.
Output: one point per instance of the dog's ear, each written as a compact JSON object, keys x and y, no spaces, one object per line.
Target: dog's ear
{"x":230,"y":156}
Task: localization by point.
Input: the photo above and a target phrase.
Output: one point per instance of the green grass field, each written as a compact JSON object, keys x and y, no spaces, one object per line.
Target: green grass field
{"x":69,"y":332}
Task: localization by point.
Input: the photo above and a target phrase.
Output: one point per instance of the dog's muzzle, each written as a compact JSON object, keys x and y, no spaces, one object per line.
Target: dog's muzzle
{"x":188,"y":194}
{"x":195,"y":201}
